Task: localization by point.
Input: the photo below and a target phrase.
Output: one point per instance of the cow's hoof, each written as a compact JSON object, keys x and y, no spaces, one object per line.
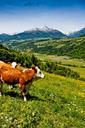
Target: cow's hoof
{"x":25,"y":98}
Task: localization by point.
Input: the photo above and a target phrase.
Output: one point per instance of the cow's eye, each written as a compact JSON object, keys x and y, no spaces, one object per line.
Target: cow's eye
{"x":39,"y":72}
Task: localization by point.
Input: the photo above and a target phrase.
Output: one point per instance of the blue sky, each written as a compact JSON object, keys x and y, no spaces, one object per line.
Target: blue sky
{"x":21,"y":15}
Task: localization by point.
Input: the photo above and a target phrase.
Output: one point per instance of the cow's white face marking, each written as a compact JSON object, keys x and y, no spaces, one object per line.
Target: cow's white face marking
{"x":39,"y":73}
{"x":14,"y":64}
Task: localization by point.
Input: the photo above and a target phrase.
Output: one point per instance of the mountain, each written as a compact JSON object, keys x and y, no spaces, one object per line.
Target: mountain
{"x":35,"y":34}
{"x":78,"y":33}
{"x":4,"y":36}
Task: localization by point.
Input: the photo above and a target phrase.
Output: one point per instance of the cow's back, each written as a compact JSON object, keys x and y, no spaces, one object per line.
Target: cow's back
{"x":4,"y":65}
{"x":11,"y":76}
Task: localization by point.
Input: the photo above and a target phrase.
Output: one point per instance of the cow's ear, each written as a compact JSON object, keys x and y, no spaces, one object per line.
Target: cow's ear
{"x":34,"y":68}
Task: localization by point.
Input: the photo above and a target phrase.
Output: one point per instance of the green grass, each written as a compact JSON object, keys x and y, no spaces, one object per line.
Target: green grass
{"x":56,"y":102}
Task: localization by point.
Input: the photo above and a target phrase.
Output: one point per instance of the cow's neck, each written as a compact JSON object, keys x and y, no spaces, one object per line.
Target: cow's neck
{"x":30,"y":74}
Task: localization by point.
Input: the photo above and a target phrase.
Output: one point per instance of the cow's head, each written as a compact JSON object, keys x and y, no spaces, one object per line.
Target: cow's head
{"x":13,"y":64}
{"x":38,"y":72}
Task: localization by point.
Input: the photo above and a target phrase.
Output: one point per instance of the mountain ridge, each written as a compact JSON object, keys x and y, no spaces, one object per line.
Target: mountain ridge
{"x":79,"y":33}
{"x":45,"y":32}
{"x":41,"y":33}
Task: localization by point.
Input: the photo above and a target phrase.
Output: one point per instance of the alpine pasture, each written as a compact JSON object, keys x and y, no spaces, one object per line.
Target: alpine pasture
{"x":58,"y":100}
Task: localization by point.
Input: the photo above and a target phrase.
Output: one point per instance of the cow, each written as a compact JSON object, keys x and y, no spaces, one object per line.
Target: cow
{"x":6,"y":66}
{"x":22,"y":78}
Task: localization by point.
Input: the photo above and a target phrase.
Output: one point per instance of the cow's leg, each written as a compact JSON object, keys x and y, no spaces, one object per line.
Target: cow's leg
{"x":24,"y":96}
{"x":1,"y":84}
{"x":23,"y":91}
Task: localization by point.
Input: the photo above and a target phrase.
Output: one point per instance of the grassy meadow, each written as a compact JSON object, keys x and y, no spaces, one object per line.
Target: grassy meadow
{"x":56,"y":101}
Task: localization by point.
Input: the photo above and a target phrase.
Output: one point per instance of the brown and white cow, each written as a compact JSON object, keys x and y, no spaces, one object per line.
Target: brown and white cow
{"x":15,"y":76}
{"x":6,"y":65}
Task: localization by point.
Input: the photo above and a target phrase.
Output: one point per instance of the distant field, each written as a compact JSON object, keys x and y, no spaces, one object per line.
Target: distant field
{"x":73,"y":47}
{"x":77,"y":65}
{"x":56,"y":102}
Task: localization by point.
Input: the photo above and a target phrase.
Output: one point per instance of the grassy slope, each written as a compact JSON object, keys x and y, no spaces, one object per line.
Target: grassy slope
{"x":70,"y":47}
{"x":74,"y":47}
{"x":56,"y":102}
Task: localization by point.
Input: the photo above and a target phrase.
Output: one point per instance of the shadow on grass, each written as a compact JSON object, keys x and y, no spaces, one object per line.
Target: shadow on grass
{"x":36,"y":98}
{"x":19,"y":96}
{"x":29,"y":97}
{"x":13,"y":94}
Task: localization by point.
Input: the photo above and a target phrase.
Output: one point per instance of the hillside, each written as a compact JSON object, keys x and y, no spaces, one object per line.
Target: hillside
{"x":73,"y":47}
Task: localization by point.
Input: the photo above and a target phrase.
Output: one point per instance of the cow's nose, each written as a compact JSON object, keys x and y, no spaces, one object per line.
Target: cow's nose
{"x":43,"y":75}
